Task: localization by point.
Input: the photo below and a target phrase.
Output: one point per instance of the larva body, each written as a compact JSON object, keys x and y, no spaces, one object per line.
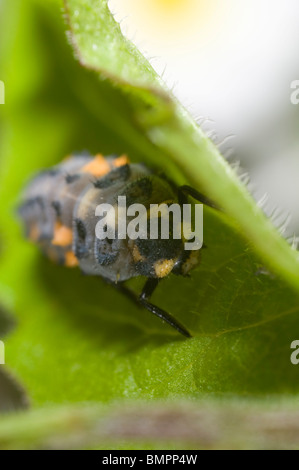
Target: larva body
{"x":59,"y":215}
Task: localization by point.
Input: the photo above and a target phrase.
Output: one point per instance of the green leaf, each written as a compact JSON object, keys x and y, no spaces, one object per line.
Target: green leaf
{"x":6,"y":322}
{"x":100,"y":45}
{"x":77,"y":339}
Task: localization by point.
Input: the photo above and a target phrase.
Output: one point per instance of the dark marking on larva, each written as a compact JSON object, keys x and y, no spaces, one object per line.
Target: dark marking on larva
{"x":106,"y":252}
{"x":81,"y":229}
{"x":38,"y":200}
{"x":155,"y":250}
{"x":57,"y":207}
{"x":52,"y":172}
{"x":81,"y":250}
{"x":72,"y":178}
{"x":139,"y":191}
{"x":31,"y":205}
{"x":119,"y":174}
{"x":144,"y":268}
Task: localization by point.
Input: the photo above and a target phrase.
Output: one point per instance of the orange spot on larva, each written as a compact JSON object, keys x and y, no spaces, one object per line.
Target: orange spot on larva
{"x":63,"y":235}
{"x":121,"y":161}
{"x":97,"y":167}
{"x":164,"y":267}
{"x":137,"y":255}
{"x":70,"y":260}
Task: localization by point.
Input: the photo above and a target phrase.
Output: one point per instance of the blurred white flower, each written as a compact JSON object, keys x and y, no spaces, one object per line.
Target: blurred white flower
{"x":233,"y":61}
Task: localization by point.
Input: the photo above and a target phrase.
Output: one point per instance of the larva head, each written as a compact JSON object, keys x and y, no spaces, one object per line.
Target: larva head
{"x":159,"y":257}
{"x":157,"y":235}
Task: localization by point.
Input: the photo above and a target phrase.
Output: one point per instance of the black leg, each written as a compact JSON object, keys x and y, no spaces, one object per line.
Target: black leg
{"x":185,"y":191}
{"x":149,"y":288}
{"x":143,"y":301}
{"x":146,"y":293}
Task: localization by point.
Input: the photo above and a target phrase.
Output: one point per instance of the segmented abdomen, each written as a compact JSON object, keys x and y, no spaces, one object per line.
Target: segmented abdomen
{"x":59,"y":210}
